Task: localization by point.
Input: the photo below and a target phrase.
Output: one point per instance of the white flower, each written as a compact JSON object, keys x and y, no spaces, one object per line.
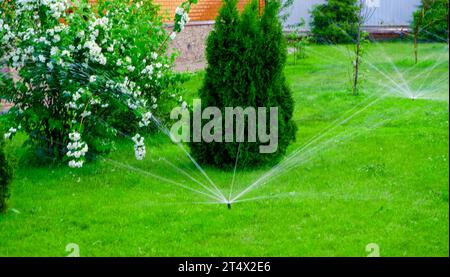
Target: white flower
{"x":185,"y":18}
{"x":145,"y":119}
{"x":86,"y":114}
{"x":148,"y":70}
{"x":77,"y":149}
{"x":179,"y":11}
{"x":119,"y":62}
{"x":130,"y":68}
{"x":41,"y":58}
{"x":102,"y":60}
{"x":54,"y":50}
{"x":65,"y":53}
{"x":73,"y":145}
{"x":94,"y":34}
{"x":95,"y":52}
{"x":137,"y":138}
{"x":173,"y":35}
{"x":74,"y":136}
{"x":10,"y":132}
{"x":76,"y":164}
{"x":139,"y":147}
{"x":92,"y":79}
{"x":154,"y":55}
{"x":76,"y":96}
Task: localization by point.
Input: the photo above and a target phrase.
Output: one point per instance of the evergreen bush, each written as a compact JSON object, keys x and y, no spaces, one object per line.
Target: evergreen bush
{"x":335,"y":22}
{"x":246,"y":54}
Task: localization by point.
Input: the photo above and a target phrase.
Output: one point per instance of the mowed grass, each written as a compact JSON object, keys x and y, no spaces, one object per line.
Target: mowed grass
{"x":379,"y":177}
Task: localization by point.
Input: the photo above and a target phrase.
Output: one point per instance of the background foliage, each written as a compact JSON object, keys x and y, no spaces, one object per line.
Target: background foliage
{"x":335,"y":22}
{"x":432,"y":20}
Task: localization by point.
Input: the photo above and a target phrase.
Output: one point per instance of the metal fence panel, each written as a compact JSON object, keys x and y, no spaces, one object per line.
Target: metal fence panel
{"x":388,"y":13}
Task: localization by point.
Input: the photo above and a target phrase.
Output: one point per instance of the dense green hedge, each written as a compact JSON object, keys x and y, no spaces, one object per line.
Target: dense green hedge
{"x":246,"y":54}
{"x":335,"y":21}
{"x":5,"y":176}
{"x":432,"y":20}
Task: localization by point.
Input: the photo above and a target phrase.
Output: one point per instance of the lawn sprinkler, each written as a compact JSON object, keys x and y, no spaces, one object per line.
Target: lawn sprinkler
{"x":229,"y":205}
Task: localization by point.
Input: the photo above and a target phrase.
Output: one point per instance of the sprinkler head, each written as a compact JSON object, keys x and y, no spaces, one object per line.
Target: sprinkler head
{"x":229,"y":205}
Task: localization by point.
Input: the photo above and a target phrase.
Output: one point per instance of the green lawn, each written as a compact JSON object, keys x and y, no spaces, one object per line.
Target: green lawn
{"x":379,"y":177}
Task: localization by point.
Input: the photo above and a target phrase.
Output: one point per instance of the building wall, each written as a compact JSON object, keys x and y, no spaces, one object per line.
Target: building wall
{"x":299,"y":10}
{"x":388,"y":13}
{"x":204,"y":10}
{"x":393,"y":13}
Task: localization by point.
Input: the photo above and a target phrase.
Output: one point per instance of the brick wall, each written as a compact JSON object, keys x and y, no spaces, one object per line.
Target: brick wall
{"x":204,"y":10}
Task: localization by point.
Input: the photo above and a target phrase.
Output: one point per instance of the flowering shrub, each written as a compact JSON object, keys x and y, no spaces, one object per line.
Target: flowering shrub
{"x":73,"y":67}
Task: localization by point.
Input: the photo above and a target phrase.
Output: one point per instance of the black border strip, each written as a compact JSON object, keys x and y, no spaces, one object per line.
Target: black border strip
{"x":146,"y":266}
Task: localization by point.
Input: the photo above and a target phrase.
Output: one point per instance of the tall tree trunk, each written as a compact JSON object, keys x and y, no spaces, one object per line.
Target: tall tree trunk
{"x":416,"y":34}
{"x":358,"y":53}
{"x":416,"y":55}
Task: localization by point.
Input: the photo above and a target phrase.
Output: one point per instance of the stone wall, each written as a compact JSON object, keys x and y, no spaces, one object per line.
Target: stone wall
{"x":190,"y":45}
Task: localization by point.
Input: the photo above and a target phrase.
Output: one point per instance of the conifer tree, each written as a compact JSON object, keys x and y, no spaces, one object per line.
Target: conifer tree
{"x":246,"y":54}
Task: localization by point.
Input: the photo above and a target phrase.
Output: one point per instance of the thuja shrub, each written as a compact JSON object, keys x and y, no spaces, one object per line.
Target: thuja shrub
{"x":335,"y":21}
{"x":5,"y":177}
{"x":77,"y":71}
{"x":246,"y":54}
{"x":431,"y":20}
